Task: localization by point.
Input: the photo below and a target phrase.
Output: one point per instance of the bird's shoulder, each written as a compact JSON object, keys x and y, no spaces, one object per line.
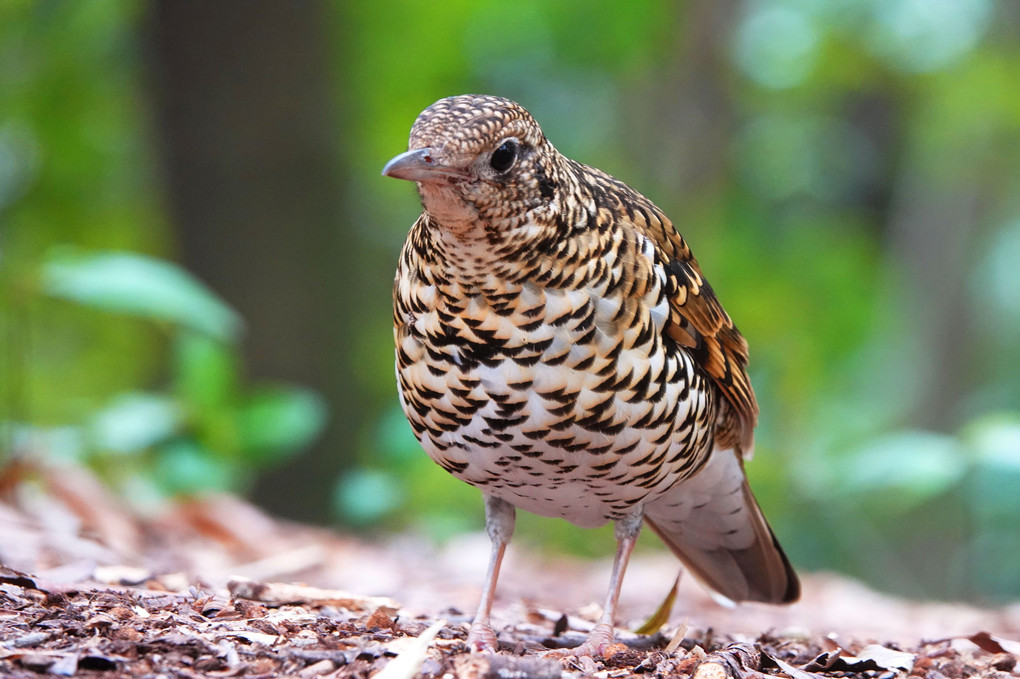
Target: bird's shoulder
{"x":697,"y":320}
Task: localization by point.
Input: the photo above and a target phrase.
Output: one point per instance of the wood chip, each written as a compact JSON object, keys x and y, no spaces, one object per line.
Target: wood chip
{"x":280,"y":594}
{"x":486,"y":666}
{"x":677,"y":639}
{"x":736,"y":660}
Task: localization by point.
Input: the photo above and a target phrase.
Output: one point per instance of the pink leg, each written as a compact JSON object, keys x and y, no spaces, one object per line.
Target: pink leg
{"x":499,"y":523}
{"x":601,"y":636}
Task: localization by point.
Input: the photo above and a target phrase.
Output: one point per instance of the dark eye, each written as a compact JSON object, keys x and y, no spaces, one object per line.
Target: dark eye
{"x":503,"y":158}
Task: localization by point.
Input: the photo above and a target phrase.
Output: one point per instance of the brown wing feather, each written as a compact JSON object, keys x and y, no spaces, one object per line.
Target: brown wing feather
{"x":697,"y":315}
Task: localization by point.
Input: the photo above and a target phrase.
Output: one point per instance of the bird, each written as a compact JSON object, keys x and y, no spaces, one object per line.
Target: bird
{"x":559,"y":348}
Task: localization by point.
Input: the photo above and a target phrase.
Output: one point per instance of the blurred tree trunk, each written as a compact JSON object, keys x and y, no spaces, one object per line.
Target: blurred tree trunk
{"x":932,"y":232}
{"x":683,"y":115}
{"x":247,"y":122}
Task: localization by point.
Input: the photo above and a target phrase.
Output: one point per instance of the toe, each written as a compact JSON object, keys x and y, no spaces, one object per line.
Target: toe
{"x":482,"y":639}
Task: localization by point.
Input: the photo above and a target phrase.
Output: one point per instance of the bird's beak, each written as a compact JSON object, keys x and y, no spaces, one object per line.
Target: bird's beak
{"x":420,"y":165}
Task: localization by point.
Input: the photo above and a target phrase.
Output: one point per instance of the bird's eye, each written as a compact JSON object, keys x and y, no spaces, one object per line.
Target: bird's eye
{"x":504,"y":157}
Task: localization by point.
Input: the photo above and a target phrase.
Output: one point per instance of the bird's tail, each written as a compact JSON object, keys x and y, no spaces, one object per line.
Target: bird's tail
{"x":712,"y":522}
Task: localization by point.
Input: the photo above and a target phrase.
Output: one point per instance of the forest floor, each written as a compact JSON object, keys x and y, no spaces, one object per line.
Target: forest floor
{"x":215,"y":588}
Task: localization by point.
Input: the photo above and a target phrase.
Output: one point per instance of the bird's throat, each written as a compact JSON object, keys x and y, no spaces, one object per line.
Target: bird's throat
{"x":448,"y":209}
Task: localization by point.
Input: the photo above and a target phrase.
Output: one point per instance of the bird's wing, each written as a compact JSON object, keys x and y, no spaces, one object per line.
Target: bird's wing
{"x":697,"y":320}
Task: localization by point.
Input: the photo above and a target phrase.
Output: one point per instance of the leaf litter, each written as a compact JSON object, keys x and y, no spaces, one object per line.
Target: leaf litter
{"x":215,"y":588}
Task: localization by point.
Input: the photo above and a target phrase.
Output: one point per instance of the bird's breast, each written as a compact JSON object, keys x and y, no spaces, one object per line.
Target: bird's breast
{"x":565,"y":401}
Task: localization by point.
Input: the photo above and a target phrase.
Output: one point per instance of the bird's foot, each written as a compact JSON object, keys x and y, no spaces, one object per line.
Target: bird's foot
{"x":481,"y":638}
{"x":599,"y":641}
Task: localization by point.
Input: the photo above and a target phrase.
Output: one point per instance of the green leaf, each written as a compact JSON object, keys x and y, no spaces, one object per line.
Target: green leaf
{"x":395,"y":439}
{"x":995,"y":441}
{"x":906,"y":468}
{"x":61,"y":444}
{"x":280,"y":420}
{"x":135,"y":421}
{"x":364,"y":496}
{"x":141,"y":286}
{"x":186,"y":467}
{"x":206,"y":372}
{"x":993,"y":502}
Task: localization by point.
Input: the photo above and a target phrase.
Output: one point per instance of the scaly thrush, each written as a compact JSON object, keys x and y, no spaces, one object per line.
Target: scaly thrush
{"x":558,"y":347}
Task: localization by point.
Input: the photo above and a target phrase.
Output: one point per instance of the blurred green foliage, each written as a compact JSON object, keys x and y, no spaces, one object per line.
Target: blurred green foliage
{"x":206,"y":430}
{"x":847,"y":173}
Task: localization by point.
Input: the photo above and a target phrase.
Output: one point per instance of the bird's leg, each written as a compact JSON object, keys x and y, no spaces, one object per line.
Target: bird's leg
{"x":601,"y":636}
{"x":499,"y":523}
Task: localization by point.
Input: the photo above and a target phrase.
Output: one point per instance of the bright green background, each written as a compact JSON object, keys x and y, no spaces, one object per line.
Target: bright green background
{"x":847,"y":172}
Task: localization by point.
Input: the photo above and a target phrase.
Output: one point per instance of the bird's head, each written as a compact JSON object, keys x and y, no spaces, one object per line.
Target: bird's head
{"x":478,"y":161}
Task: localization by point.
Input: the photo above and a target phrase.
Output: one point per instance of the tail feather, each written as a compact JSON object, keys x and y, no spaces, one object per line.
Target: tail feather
{"x":713,"y":523}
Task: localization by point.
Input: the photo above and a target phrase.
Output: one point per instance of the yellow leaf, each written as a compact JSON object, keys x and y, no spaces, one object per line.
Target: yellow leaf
{"x":661,"y":615}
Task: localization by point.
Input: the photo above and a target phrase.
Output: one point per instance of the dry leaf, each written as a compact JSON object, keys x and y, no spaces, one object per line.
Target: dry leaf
{"x":887,"y":658}
{"x":661,"y":615}
{"x":986,"y":642}
{"x":790,"y":670}
{"x":407,"y":663}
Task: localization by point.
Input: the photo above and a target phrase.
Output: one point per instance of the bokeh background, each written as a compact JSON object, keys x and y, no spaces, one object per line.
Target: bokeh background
{"x":196,"y":248}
